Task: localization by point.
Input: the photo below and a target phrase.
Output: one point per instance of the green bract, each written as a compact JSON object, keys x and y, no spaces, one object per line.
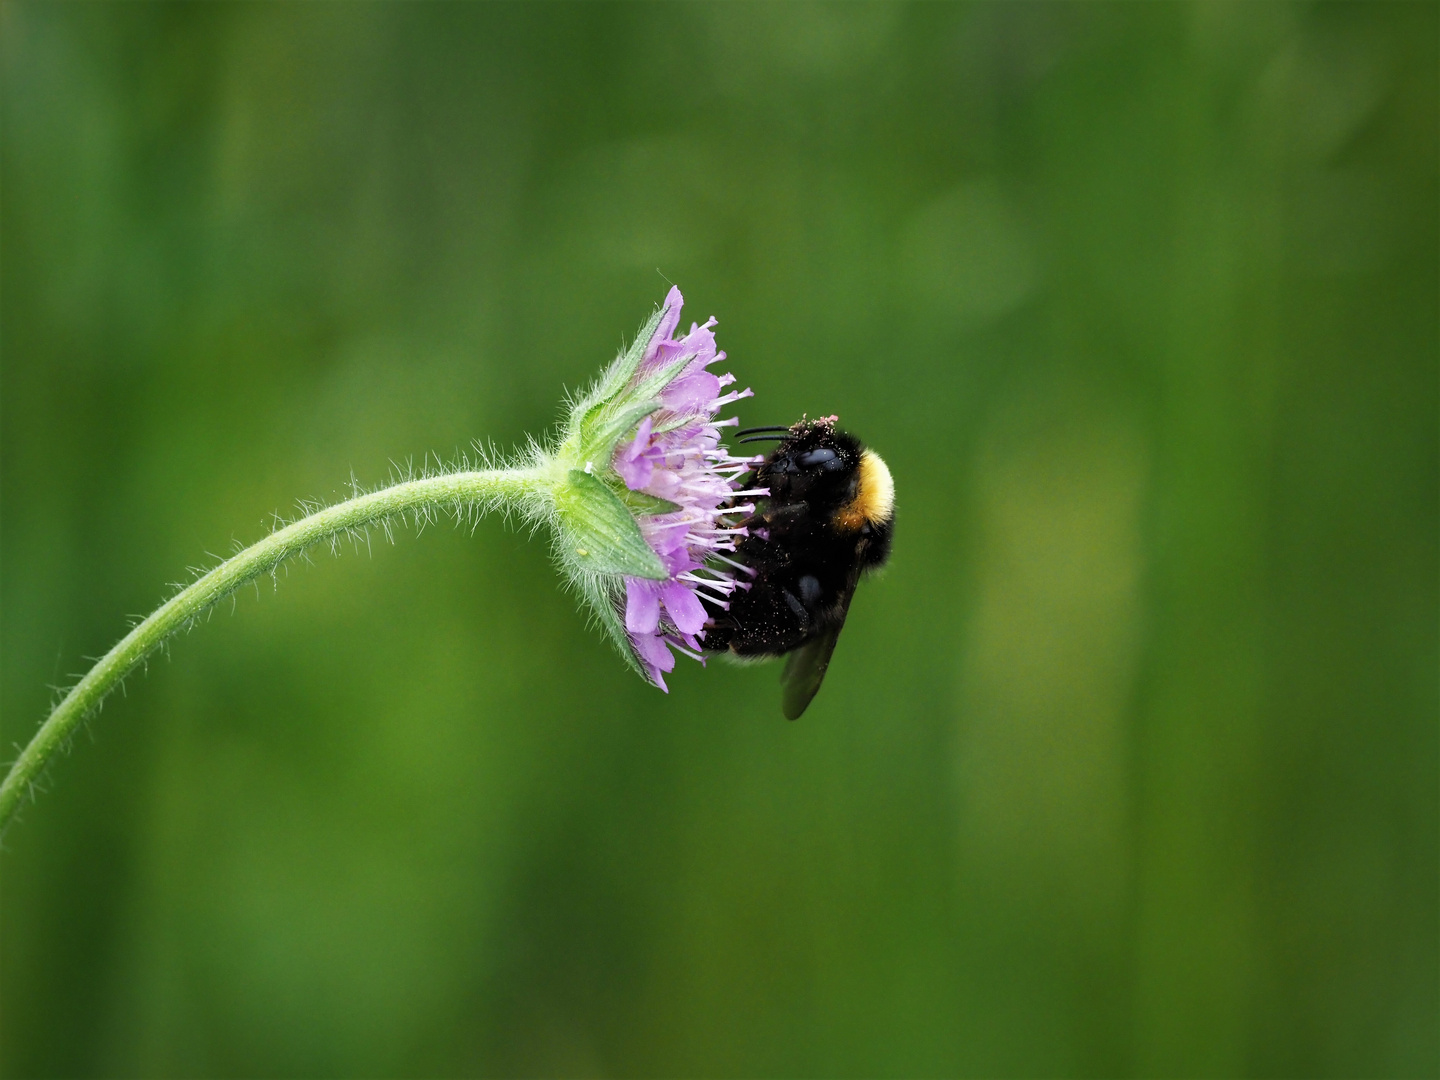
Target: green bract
{"x":598,"y":541}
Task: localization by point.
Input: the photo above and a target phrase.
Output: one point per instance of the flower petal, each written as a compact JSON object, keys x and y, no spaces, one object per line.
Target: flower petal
{"x":641,"y":442}
{"x":636,"y":472}
{"x":683,"y":607}
{"x":642,"y":606}
{"x":665,"y":484}
{"x":679,"y":561}
{"x":691,"y":393}
{"x":655,"y":654}
{"x":633,"y":460}
{"x":701,"y":341}
{"x":654,"y":650}
{"x":668,"y":322}
{"x":665,"y":534}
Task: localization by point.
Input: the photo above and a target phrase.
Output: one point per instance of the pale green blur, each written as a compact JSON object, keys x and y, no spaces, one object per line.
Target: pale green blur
{"x":1126,"y":766}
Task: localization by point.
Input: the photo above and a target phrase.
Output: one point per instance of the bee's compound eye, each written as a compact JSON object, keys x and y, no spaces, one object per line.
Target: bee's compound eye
{"x":821,"y":457}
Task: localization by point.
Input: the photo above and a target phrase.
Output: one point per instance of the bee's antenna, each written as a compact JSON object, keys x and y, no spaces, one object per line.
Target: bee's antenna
{"x":763,"y":438}
{"x":768,"y":427}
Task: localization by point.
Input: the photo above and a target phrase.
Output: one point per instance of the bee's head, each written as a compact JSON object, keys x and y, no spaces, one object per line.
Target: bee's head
{"x":831,"y":471}
{"x":815,"y":463}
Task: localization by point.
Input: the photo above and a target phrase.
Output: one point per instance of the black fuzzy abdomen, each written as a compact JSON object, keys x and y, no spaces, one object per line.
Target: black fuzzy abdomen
{"x":799,"y":590}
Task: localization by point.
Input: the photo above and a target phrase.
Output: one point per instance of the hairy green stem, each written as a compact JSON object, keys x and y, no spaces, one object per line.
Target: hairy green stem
{"x":458,"y":492}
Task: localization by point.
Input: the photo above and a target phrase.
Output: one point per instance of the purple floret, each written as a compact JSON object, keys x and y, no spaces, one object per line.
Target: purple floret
{"x":683,"y":463}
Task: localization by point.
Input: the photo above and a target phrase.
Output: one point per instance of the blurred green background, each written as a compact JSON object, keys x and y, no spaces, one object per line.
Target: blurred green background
{"x":1128,"y":765}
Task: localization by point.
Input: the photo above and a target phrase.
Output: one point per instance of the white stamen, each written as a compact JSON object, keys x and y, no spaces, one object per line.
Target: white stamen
{"x":739,"y":566}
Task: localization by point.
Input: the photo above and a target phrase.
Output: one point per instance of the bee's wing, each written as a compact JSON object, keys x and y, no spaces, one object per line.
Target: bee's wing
{"x":805,"y":669}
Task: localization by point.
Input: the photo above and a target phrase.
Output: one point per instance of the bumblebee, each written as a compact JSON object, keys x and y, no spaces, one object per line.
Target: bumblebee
{"x":828,"y":519}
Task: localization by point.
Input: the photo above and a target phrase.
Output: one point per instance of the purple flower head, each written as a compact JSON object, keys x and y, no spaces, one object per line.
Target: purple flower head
{"x":676,"y":455}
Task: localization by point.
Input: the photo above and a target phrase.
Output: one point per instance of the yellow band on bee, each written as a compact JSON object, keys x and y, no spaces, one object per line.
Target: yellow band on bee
{"x":874,"y":500}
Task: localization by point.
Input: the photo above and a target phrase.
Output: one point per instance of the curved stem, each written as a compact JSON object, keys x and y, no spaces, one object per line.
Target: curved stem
{"x":458,"y":491}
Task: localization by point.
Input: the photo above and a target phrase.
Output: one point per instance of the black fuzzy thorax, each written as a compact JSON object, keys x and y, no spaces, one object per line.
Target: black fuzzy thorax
{"x":804,"y":564}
